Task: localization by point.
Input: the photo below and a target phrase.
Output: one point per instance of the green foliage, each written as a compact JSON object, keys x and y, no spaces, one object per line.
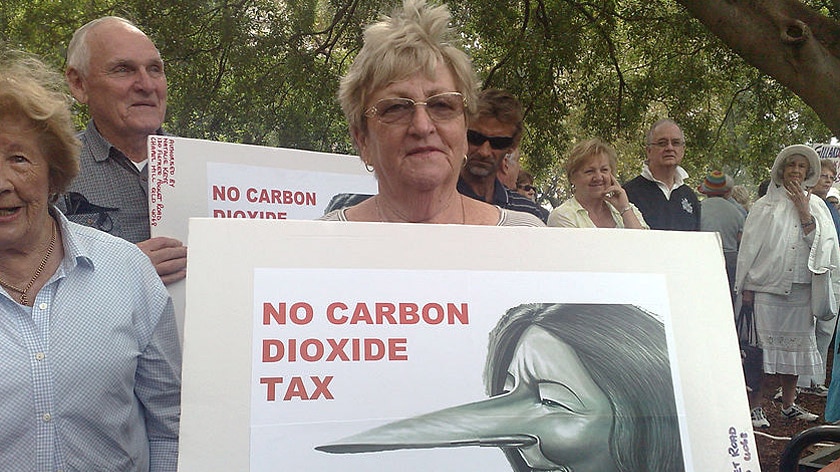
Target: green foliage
{"x":267,"y":71}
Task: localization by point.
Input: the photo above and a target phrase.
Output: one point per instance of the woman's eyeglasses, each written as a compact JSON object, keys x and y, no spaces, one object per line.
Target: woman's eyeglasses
{"x":496,"y":142}
{"x":441,"y":107}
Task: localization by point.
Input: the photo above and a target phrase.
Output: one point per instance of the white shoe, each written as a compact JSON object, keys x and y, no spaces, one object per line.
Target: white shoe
{"x":819,"y":390}
{"x":796,"y":412}
{"x":758,"y":418}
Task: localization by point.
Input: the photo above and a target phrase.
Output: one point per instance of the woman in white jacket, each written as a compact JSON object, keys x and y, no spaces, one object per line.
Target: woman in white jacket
{"x":789,"y":241}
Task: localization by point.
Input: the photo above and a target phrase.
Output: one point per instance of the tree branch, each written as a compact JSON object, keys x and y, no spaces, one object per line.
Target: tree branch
{"x":784,"y":39}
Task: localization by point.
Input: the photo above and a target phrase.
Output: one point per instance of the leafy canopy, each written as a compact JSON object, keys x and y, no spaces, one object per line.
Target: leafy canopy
{"x":266,"y":72}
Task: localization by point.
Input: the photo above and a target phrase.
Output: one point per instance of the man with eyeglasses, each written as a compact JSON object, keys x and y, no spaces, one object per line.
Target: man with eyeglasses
{"x":493,"y":135}
{"x":116,"y":70}
{"x":828,"y":174}
{"x":660,"y":192}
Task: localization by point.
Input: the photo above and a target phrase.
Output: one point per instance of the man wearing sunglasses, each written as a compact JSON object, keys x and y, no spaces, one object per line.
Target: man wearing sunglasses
{"x":493,"y":135}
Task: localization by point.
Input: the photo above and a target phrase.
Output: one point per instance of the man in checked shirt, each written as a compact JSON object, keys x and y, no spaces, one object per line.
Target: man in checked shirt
{"x":116,"y":70}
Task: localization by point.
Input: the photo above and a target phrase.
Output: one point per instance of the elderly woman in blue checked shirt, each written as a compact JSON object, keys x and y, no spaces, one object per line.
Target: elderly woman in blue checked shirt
{"x":91,"y":360}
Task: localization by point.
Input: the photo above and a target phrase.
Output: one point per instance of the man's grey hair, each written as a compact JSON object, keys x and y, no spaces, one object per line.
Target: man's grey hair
{"x":657,"y":124}
{"x":78,"y":52}
{"x":513,"y":156}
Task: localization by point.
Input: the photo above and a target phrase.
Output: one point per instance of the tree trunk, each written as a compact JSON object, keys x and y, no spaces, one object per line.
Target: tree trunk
{"x":785,"y":40}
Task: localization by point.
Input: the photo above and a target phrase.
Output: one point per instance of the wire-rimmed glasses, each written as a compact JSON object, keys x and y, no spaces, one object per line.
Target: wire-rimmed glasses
{"x":399,"y":110}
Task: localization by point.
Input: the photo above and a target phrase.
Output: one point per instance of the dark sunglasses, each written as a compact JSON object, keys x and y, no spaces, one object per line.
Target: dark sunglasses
{"x":526,"y":188}
{"x":496,"y":142}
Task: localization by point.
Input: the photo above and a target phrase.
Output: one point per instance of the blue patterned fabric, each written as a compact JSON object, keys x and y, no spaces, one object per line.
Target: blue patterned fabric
{"x":90,"y":375}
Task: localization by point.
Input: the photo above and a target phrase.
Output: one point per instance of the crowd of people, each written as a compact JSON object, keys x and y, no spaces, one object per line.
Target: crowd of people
{"x":93,"y":382}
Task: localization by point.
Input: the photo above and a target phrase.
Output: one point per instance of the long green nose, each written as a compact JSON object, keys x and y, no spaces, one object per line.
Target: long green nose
{"x":487,"y":423}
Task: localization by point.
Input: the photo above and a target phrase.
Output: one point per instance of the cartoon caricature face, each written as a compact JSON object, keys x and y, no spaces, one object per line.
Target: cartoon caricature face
{"x":564,"y":393}
{"x":552,"y":397}
{"x":552,"y":412}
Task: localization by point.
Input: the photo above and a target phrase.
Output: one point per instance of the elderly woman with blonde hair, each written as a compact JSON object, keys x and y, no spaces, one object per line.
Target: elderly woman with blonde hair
{"x":408,"y":98}
{"x":598,"y":200}
{"x":91,"y":358}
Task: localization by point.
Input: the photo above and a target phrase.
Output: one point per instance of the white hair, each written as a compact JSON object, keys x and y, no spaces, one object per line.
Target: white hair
{"x":78,"y":52}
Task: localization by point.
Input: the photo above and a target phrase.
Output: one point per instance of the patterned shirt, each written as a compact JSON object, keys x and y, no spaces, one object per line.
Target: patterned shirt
{"x":110,"y":193}
{"x":90,"y":375}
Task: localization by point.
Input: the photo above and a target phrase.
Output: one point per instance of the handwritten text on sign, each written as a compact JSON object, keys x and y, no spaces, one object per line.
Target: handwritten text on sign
{"x":162,"y":168}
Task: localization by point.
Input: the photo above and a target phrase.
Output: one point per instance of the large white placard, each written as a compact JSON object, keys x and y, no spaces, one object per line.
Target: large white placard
{"x":199,"y":178}
{"x":312,"y":332}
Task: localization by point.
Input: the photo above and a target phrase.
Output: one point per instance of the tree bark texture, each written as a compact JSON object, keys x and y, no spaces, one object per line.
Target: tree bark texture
{"x":785,"y":40}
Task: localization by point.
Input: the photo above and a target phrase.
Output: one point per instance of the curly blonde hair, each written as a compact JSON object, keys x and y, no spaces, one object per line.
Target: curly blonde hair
{"x":414,"y":39}
{"x":582,"y":151}
{"x":31,"y":90}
